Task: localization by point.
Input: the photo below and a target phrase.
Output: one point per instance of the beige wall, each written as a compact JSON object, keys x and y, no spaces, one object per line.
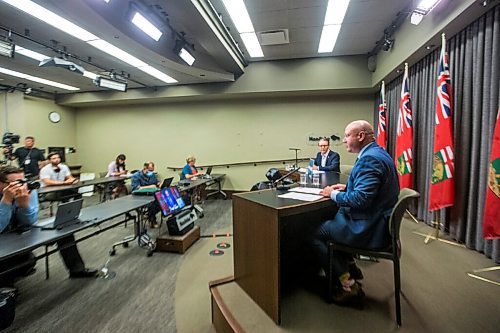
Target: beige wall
{"x":29,"y":116}
{"x":216,"y":132}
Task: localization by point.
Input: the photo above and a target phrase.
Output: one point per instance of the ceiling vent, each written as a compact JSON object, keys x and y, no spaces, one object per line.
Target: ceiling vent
{"x":274,"y":37}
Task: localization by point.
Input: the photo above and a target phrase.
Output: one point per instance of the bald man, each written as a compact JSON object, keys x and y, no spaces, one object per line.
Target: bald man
{"x":365,"y":205}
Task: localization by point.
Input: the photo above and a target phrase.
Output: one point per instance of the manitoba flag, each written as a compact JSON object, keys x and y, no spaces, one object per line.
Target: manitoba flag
{"x":381,"y":136}
{"x":404,"y":140}
{"x":491,"y":227}
{"x":442,"y":192}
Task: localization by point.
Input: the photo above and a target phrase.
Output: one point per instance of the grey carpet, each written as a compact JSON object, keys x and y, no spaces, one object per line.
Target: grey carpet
{"x":438,"y":295}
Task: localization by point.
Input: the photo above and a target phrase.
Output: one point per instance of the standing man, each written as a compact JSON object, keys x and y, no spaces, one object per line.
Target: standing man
{"x":366,"y":203}
{"x":18,"y":210}
{"x":326,"y":160}
{"x":30,"y":159}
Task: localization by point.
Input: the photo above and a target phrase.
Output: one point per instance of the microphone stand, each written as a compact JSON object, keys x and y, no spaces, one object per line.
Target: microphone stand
{"x":296,"y":156}
{"x":283,"y":177}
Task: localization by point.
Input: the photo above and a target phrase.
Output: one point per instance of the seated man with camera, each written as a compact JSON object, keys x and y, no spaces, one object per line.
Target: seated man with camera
{"x":18,"y":212}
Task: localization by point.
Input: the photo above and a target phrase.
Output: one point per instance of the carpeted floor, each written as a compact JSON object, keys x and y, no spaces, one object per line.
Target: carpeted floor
{"x":169,"y":292}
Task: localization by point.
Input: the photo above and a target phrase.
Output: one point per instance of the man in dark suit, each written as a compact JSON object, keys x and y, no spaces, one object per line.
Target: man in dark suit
{"x":326,"y":160}
{"x":366,"y":203}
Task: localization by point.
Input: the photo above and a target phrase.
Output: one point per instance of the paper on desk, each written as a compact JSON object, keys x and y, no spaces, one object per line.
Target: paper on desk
{"x":304,"y":170}
{"x":307,"y":190}
{"x":300,"y":196}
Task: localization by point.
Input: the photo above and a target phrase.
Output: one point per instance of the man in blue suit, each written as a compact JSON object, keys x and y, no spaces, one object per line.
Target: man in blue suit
{"x":326,"y":160}
{"x":365,"y":205}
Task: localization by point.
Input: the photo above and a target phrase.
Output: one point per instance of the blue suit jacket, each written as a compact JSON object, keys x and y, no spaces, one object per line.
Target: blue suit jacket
{"x":365,"y":207}
{"x":332,"y":162}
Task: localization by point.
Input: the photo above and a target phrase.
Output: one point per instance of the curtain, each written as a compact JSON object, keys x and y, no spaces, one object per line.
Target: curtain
{"x":474,"y":60}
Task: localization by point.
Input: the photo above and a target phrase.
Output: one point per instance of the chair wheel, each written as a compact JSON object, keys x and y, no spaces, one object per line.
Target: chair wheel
{"x":150,"y":253}
{"x":201,"y":216}
{"x":112,"y":252}
{"x":125,"y":244}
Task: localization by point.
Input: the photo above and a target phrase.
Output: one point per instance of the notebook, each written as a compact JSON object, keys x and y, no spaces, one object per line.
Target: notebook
{"x":67,"y":214}
{"x":167,"y":182}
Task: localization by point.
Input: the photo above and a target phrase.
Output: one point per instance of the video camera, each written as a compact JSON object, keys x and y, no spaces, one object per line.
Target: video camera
{"x":8,"y":140}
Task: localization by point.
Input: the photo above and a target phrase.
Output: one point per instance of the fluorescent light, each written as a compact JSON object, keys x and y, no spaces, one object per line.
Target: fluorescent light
{"x":149,"y":28}
{"x":111,"y":84}
{"x":37,"y":79}
{"x":252,"y":44}
{"x":106,"y":1}
{"x":328,"y":38}
{"x":90,"y":75}
{"x":241,"y":20}
{"x":186,"y":56}
{"x":7,"y":48}
{"x":117,"y":52}
{"x":334,"y":16}
{"x":335,"y":11}
{"x":31,"y":54}
{"x":66,"y":26}
{"x":426,"y":6}
{"x":416,"y":18}
{"x":49,"y":17}
{"x":239,"y":15}
{"x":157,"y":74}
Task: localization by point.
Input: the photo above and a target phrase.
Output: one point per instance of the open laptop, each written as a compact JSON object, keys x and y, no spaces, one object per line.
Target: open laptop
{"x":67,"y":213}
{"x":167,"y":182}
{"x":207,"y":174}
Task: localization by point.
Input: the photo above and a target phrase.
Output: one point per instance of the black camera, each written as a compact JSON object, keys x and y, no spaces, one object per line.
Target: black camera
{"x":32,"y":184}
{"x":9,"y":139}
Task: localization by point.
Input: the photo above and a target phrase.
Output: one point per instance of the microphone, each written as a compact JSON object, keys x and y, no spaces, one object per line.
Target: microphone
{"x":284,"y":187}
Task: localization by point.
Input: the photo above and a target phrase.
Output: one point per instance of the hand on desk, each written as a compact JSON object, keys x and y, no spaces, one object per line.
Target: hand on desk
{"x":327,"y":191}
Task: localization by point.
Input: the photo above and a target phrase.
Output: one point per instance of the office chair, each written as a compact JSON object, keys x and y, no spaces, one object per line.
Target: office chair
{"x":346,"y":169}
{"x":392,"y":253}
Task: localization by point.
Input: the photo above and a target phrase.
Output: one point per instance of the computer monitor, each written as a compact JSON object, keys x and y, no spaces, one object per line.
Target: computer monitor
{"x":169,"y":200}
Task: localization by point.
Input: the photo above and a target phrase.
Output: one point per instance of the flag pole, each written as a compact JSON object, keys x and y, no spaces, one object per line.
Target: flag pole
{"x":437,"y":224}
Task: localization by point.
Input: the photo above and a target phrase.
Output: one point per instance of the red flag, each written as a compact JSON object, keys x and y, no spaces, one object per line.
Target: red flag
{"x":491,"y":227}
{"x":404,"y":140}
{"x":382,"y":107}
{"x":442,"y":193}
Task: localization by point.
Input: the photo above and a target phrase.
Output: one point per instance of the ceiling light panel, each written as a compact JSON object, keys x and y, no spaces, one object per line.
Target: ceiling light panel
{"x":334,"y":16}
{"x":252,"y":44}
{"x":37,"y":79}
{"x":239,"y":14}
{"x":30,"y":54}
{"x":51,"y":18}
{"x":145,"y":25}
{"x":70,"y":28}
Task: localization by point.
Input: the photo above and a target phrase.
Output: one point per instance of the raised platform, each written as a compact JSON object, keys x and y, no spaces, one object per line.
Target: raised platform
{"x":234,"y":311}
{"x":178,"y":244}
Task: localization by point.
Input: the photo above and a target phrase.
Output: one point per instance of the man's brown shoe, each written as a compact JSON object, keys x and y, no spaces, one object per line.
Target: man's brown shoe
{"x":355,"y":297}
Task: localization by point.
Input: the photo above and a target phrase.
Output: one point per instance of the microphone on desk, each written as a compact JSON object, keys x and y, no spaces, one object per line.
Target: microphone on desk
{"x":284,"y":187}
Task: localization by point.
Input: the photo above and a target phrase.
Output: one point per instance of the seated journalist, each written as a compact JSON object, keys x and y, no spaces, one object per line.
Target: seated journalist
{"x":146,"y":178}
{"x":365,"y":205}
{"x":56,"y":173}
{"x":189,"y":171}
{"x":326,"y":159}
{"x":19,"y":211}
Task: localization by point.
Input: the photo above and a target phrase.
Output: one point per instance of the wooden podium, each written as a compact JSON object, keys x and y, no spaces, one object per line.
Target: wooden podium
{"x":271,"y":239}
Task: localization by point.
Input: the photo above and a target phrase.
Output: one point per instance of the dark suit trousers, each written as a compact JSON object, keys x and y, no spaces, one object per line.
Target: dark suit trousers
{"x":341,"y":260}
{"x":70,"y":254}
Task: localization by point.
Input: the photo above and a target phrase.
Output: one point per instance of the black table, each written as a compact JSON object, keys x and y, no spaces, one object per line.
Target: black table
{"x":91,"y":217}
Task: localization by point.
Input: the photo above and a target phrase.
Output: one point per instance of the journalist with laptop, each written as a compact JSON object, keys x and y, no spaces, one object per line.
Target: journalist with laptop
{"x":146,"y":179}
{"x":19,"y":209}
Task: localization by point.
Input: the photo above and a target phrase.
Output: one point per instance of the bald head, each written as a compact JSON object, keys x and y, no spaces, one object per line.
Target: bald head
{"x":358,"y":134}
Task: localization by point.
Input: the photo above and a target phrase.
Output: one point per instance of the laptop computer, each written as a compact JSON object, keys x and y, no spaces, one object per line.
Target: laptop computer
{"x":167,"y":182}
{"x":209,"y":171}
{"x":67,"y":213}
